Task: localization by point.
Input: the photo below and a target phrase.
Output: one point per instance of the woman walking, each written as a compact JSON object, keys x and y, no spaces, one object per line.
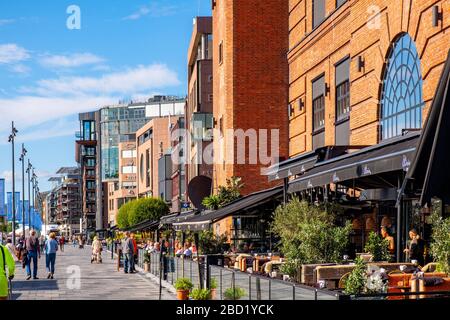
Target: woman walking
{"x":96,"y":250}
{"x":51,"y":247}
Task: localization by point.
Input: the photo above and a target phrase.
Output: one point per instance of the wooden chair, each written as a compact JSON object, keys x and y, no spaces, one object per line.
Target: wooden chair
{"x":343,"y":280}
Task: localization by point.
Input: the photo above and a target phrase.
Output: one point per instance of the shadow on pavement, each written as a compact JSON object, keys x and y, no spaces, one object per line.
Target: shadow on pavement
{"x":34,"y":285}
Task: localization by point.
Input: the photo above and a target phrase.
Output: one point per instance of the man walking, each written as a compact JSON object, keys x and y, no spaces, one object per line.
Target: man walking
{"x":34,"y":252}
{"x":62,"y":241}
{"x":128,"y":251}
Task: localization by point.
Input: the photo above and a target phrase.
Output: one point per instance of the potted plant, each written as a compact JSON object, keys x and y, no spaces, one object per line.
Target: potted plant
{"x":234,"y":294}
{"x":200,"y":294}
{"x":213,"y":288}
{"x":183,"y":287}
{"x":146,"y":261}
{"x":377,"y":247}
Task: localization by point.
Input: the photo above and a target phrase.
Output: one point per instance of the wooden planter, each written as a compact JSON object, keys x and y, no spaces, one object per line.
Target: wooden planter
{"x":182,"y":294}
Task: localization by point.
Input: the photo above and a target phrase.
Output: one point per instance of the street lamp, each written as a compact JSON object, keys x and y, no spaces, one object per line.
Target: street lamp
{"x":22,"y":159}
{"x":14,"y":131}
{"x":30,"y":167}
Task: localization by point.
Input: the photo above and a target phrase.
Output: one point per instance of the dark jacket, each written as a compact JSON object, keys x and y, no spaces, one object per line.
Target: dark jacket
{"x":416,"y":250}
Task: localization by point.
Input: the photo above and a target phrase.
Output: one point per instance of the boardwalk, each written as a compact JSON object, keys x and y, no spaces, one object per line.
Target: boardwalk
{"x":77,"y":279}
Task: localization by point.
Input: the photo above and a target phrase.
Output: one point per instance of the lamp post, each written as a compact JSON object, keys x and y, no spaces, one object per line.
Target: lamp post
{"x":29,"y":193}
{"x":14,"y":131}
{"x":22,"y":159}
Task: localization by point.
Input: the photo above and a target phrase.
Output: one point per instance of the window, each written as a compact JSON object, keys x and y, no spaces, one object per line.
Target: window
{"x":128,"y":154}
{"x":318,"y":12}
{"x":221,"y":52}
{"x":319,"y":113}
{"x":401,"y":97}
{"x":129,"y":169}
{"x":90,"y":162}
{"x":340,"y":3}
{"x":210,"y":98}
{"x":318,"y":89}
{"x":343,"y":90}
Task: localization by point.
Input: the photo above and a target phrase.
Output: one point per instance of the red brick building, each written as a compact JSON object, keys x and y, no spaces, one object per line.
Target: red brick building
{"x":250,"y":75}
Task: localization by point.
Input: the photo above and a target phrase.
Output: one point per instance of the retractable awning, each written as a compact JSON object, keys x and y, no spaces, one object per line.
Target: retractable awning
{"x":177,"y":217}
{"x":146,"y":225}
{"x":293,"y":166}
{"x":366,"y":168}
{"x":203,"y":221}
{"x":429,"y":169}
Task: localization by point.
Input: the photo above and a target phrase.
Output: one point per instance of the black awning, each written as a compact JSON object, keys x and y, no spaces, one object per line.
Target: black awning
{"x":177,"y":217}
{"x":203,"y":221}
{"x":429,"y":168}
{"x":369,"y":166}
{"x":146,"y":225}
{"x":293,"y":166}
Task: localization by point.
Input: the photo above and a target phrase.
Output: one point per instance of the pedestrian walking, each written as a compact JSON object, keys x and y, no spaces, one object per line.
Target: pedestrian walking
{"x":96,"y":250}
{"x":7,"y":269}
{"x":33,"y":254}
{"x":128,"y":251}
{"x":135,"y":251}
{"x":62,"y":241}
{"x":51,"y":247}
{"x":42,"y":242}
{"x":74,"y":241}
{"x":11,"y":250}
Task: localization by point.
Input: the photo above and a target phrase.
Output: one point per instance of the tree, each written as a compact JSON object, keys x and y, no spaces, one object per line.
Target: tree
{"x":147,"y":209}
{"x":123,"y":215}
{"x":308,"y":234}
{"x":225,"y":194}
{"x":378,"y":247}
{"x":440,"y":241}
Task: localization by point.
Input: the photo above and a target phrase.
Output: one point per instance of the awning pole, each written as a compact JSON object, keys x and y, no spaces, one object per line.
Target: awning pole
{"x":399,"y":222}
{"x":285,"y":190}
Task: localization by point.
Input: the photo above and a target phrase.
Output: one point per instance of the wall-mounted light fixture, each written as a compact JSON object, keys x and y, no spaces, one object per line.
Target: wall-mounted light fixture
{"x":327,"y":89}
{"x":290,"y":110}
{"x":436,"y":16}
{"x":213,"y":4}
{"x":361,"y":63}
{"x":301,"y":104}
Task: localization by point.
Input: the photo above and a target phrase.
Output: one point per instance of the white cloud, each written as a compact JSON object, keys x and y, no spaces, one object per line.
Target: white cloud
{"x":70,"y":61}
{"x":155,"y":9}
{"x":12,"y":53}
{"x":6,"y":21}
{"x":128,"y":82}
{"x":21,"y":69}
{"x":40,"y":112}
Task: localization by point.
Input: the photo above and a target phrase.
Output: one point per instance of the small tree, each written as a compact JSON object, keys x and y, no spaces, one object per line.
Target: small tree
{"x":209,"y":243}
{"x":225,"y":194}
{"x":308,"y":235}
{"x":123,"y":215}
{"x":378,"y":247}
{"x":356,"y":281}
{"x":147,"y":209}
{"x":440,"y":241}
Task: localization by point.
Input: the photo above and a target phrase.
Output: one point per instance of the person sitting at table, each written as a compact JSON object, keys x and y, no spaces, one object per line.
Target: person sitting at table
{"x":415,"y":248}
{"x":385,"y":235}
{"x":187,"y":250}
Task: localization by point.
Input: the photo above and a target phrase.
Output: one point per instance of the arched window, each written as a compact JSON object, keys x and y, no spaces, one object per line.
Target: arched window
{"x":401,"y":97}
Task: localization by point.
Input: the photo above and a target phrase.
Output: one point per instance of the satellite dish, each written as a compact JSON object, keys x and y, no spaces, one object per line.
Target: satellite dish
{"x":199,"y":188}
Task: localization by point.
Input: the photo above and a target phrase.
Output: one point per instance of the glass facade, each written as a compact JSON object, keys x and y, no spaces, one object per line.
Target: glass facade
{"x":401,"y":100}
{"x":117,"y":124}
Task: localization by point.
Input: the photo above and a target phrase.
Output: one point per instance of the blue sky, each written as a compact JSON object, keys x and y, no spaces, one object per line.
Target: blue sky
{"x":49,"y":73}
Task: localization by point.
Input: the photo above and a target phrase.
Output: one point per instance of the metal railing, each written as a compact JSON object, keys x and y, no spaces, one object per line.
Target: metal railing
{"x":256,"y":287}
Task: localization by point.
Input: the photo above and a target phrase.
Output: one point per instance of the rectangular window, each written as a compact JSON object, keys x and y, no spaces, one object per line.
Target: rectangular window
{"x":129,"y":169}
{"x":343,"y":90}
{"x":128,"y":154}
{"x":318,"y":98}
{"x":318,"y":12}
{"x":340,"y":3}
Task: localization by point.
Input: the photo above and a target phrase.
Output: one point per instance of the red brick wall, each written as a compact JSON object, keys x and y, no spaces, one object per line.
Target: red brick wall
{"x":250,"y":87}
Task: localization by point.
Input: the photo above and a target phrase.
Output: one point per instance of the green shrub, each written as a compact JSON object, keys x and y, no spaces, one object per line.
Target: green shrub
{"x":378,"y":247}
{"x":146,"y":209}
{"x":440,"y":242}
{"x":183,"y":284}
{"x":225,"y":194}
{"x":213,"y":283}
{"x":356,"y":281}
{"x":123,"y":215}
{"x":200,"y":294}
{"x":308,"y":234}
{"x":210,"y":243}
{"x":235,"y":294}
